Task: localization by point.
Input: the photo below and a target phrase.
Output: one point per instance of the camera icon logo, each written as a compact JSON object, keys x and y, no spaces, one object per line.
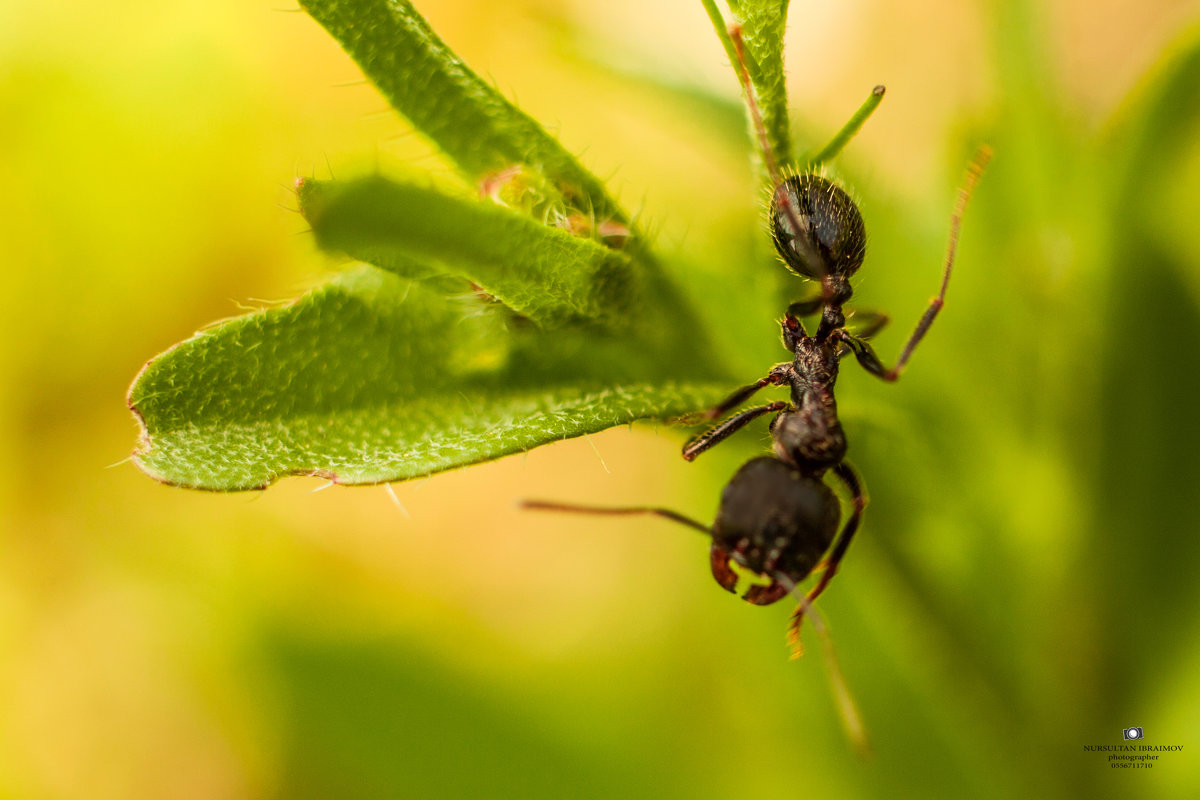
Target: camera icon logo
{"x":1132,"y":733}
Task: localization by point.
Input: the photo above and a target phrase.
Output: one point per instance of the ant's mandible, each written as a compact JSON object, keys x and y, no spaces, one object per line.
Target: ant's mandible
{"x":778,"y":518}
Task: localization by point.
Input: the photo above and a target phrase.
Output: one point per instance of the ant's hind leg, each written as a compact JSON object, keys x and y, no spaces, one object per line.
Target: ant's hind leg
{"x":858,"y":499}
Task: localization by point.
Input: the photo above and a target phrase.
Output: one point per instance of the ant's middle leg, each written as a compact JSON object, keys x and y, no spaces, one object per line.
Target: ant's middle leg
{"x":720,"y":432}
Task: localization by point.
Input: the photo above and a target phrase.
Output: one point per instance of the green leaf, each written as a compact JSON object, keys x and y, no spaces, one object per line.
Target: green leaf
{"x":469,"y":120}
{"x":387,"y":375}
{"x":540,"y":272}
{"x":1157,"y":121}
{"x":847,"y":132}
{"x":373,"y":378}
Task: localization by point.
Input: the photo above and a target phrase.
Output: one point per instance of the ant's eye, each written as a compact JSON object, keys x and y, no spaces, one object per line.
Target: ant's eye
{"x":816,"y":227}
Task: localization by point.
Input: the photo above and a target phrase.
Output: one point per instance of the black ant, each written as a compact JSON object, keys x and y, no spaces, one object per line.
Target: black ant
{"x":778,"y":518}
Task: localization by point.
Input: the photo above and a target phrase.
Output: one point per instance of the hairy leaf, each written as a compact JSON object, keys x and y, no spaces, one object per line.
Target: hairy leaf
{"x":373,"y":378}
{"x":468,"y":119}
{"x":763,"y":23}
{"x":540,"y":272}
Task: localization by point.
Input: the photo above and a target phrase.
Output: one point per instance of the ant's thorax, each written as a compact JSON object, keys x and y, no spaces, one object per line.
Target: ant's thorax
{"x":808,"y":435}
{"x":814,"y":366}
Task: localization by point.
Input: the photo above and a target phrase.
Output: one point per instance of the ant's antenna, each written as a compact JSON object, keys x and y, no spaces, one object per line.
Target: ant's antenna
{"x":779,"y":193}
{"x":666,"y":513}
{"x":739,"y":64}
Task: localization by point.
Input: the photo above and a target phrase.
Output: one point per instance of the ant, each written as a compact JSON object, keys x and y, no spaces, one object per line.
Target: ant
{"x":777,"y":517}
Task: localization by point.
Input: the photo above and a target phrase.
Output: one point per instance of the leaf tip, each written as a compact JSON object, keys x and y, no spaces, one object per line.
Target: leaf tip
{"x":131,"y":402}
{"x":308,"y":193}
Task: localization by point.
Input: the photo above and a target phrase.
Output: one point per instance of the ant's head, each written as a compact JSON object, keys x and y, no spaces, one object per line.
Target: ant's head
{"x":817,"y":229}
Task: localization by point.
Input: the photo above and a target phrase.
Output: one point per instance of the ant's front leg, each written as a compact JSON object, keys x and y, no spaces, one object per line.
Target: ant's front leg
{"x":862,"y":351}
{"x":857,"y":342}
{"x":808,"y":306}
{"x":868,"y":324}
{"x":867,"y":357}
{"x":718,"y":433}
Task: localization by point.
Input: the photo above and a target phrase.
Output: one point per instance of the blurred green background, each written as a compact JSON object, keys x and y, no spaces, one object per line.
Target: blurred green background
{"x":1026,"y":581}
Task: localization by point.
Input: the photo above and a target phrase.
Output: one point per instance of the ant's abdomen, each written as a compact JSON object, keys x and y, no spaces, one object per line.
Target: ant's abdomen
{"x":817,"y":228}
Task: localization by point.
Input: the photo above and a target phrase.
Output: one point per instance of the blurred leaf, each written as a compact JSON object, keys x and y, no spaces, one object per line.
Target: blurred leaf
{"x":426,"y":82}
{"x":372,"y":378}
{"x":1157,"y":121}
{"x":376,"y":719}
{"x":1146,"y":469}
{"x":540,"y":272}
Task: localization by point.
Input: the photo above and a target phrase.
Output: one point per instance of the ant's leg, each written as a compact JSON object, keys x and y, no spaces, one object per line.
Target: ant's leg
{"x":718,"y":558}
{"x":545,"y":505}
{"x":718,"y":433}
{"x":777,"y":377}
{"x":848,"y":130}
{"x":872,"y":322}
{"x":866,"y":356}
{"x":806,"y":307}
{"x":850,"y":478}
